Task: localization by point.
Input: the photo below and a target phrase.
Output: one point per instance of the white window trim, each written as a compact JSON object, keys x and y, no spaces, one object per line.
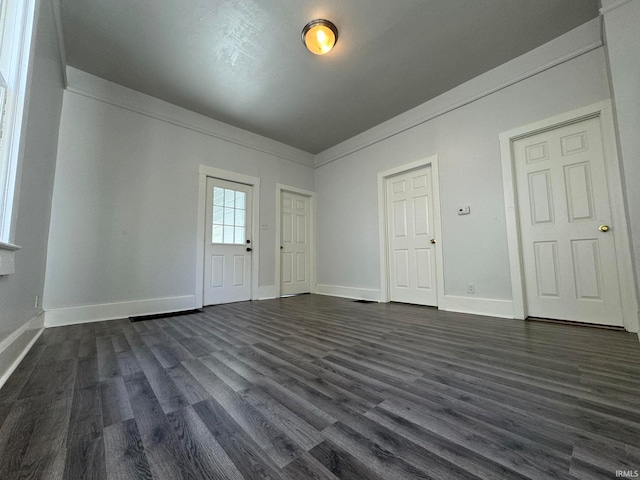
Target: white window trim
{"x":15,"y":48}
{"x":7,"y":258}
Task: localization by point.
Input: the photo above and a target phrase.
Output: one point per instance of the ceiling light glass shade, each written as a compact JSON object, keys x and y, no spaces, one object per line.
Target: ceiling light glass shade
{"x":319,"y":36}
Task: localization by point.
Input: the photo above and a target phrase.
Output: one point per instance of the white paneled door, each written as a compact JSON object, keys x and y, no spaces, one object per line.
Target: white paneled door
{"x":295,"y":244}
{"x":410,"y":237}
{"x":227,"y":269}
{"x":565,"y":221}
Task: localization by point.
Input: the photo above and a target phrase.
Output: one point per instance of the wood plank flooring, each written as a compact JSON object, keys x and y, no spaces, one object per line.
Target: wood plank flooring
{"x":314,"y":387}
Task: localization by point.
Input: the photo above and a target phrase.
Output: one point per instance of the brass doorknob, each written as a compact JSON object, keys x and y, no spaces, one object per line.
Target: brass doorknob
{"x":433,"y":240}
{"x":603,"y":228}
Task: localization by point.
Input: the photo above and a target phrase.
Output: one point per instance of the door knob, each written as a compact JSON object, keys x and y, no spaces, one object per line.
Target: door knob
{"x":603,"y":228}
{"x":249,"y":249}
{"x":433,"y":240}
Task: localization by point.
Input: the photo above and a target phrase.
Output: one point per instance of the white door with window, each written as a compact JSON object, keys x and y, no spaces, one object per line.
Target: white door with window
{"x":227,"y":269}
{"x":411,"y":238}
{"x":295,"y":244}
{"x":567,"y":236}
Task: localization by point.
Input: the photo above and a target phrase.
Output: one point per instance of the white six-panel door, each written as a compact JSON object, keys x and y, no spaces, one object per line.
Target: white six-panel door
{"x":295,"y":241}
{"x":227,"y":269}
{"x":410,"y":238}
{"x":565,"y":222}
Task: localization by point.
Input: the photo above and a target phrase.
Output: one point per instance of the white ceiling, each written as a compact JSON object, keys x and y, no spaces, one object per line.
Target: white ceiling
{"x":242,"y":61}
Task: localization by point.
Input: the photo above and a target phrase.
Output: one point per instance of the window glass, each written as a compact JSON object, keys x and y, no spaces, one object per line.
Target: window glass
{"x":218,"y":215}
{"x":218,"y":233}
{"x":229,"y":216}
{"x":16,"y":23}
{"x":239,"y":217}
{"x":240,"y":196}
{"x":229,"y":198}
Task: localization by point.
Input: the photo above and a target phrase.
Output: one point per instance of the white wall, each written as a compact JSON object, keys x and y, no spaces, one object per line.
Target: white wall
{"x":622,"y":36}
{"x":124,"y":215}
{"x":466,"y":142}
{"x":123,"y":226}
{"x":18,"y":314}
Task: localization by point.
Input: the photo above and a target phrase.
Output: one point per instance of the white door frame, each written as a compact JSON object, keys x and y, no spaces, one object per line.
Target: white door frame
{"x":383,"y":223}
{"x":312,"y":229}
{"x":204,"y":172}
{"x":603,"y":111}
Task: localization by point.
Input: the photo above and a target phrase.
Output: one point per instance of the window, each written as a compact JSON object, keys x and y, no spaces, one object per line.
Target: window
{"x":16,"y":25}
{"x":229,"y":216}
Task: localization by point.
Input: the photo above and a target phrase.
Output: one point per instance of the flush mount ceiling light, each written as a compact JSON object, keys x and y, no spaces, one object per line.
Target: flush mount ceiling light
{"x":319,"y":36}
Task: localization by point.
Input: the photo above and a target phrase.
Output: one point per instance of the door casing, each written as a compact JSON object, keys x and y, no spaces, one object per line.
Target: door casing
{"x":383,"y":224}
{"x":204,"y":172}
{"x":601,"y":110}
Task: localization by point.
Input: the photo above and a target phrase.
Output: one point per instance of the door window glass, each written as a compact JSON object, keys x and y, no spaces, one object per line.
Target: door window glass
{"x":229,"y":216}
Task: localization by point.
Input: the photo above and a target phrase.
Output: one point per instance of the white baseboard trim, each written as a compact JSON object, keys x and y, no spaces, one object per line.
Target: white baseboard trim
{"x":477,"y":306}
{"x":16,"y":346}
{"x":267,"y":292}
{"x":348,"y":292}
{"x":58,"y":317}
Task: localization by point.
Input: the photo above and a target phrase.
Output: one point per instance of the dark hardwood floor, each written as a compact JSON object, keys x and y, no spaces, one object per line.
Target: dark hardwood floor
{"x":315,"y":387}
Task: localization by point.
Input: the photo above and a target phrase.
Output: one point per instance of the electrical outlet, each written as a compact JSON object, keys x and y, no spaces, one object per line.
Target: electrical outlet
{"x":471,"y":288}
{"x":37,"y":300}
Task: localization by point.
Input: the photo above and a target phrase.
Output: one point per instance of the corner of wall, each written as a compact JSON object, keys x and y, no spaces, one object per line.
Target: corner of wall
{"x":57,"y":18}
